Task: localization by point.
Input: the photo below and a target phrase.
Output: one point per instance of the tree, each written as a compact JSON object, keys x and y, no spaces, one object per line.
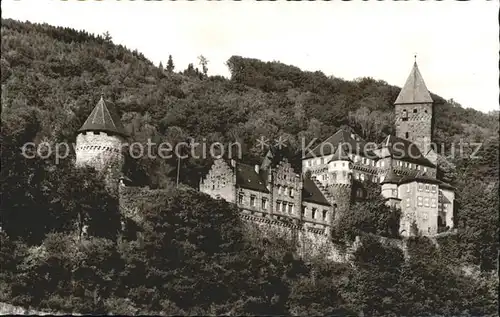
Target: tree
{"x":203,"y":63}
{"x":107,"y":37}
{"x":170,"y":64}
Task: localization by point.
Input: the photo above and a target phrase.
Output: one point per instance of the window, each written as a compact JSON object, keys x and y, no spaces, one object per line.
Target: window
{"x":362,"y":177}
{"x":279,"y":190}
{"x":290,"y":209}
{"x":356,"y":175}
{"x":427,"y":188}
{"x":323,"y":177}
{"x":334,"y":177}
{"x":325,"y":213}
{"x":405,"y":115}
{"x":313,"y":213}
{"x":283,"y":207}
{"x":407,"y":135}
{"x":382,"y":164}
{"x":425,"y":216}
{"x":252,"y":200}
{"x":407,"y":202}
{"x":433,"y":202}
{"x":240,"y":198}
{"x":359,"y":193}
{"x":425,"y":169}
{"x":408,"y":188}
{"x":395,"y":193}
{"x":420,"y":187}
{"x":433,"y":188}
{"x":426,"y":201}
{"x":425,"y":110}
{"x":419,"y":201}
{"x":264,"y":203}
{"x":278,"y":205}
{"x":322,"y":161}
{"x":303,"y":212}
{"x":343,"y":164}
{"x":291,"y":192}
{"x":418,"y":167}
{"x":414,"y":110}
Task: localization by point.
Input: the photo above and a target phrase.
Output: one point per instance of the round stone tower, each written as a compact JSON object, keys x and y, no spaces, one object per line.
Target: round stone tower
{"x":99,"y":144}
{"x":340,"y":182}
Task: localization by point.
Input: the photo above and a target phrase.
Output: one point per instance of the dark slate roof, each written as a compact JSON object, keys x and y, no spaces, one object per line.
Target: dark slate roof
{"x":246,"y":177}
{"x":420,"y":178}
{"x":391,"y":178}
{"x":340,"y":155}
{"x":414,"y":90}
{"x":102,"y":119}
{"x":405,"y":150}
{"x":312,"y":194}
{"x":349,"y":143}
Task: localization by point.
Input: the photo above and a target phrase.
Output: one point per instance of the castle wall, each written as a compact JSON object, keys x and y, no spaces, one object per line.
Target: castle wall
{"x":220,"y":182}
{"x":308,"y":241}
{"x":418,"y":126}
{"x":317,"y":216}
{"x":419,"y":203}
{"x":244,"y":200}
{"x":102,"y":152}
{"x":286,"y":190}
{"x":446,"y":209}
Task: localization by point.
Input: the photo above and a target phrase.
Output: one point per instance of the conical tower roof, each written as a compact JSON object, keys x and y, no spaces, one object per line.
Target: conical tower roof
{"x":414,"y":90}
{"x":102,"y":119}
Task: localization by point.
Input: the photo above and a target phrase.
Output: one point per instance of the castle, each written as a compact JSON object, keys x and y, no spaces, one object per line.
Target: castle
{"x":310,"y":201}
{"x":404,"y":166}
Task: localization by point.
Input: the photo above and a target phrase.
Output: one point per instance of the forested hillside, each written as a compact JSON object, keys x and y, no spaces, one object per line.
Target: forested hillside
{"x":52,"y":77}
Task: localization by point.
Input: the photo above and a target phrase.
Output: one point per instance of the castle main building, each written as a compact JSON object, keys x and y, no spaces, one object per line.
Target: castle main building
{"x":403,"y":165}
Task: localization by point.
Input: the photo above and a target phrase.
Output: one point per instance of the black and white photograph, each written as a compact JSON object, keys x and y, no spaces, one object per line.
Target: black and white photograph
{"x":249,"y":158}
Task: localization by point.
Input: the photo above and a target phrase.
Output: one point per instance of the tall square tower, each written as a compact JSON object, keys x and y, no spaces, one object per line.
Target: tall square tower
{"x":414,"y":111}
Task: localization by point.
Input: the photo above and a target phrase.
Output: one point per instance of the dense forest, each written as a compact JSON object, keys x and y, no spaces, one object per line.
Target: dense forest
{"x":195,"y":257}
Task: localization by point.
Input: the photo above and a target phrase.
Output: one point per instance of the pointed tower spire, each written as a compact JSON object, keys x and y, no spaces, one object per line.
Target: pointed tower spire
{"x":414,"y":90}
{"x":102,"y":119}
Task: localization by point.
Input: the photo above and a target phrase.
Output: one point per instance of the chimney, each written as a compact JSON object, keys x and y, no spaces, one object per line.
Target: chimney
{"x":257,"y":167}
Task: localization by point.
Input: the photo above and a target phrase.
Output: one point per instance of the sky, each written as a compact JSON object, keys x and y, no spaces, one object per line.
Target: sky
{"x":456,"y":43}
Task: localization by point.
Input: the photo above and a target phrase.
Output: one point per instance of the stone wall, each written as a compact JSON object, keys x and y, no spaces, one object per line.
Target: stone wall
{"x":309,"y":241}
{"x":102,"y":152}
{"x":418,"y":125}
